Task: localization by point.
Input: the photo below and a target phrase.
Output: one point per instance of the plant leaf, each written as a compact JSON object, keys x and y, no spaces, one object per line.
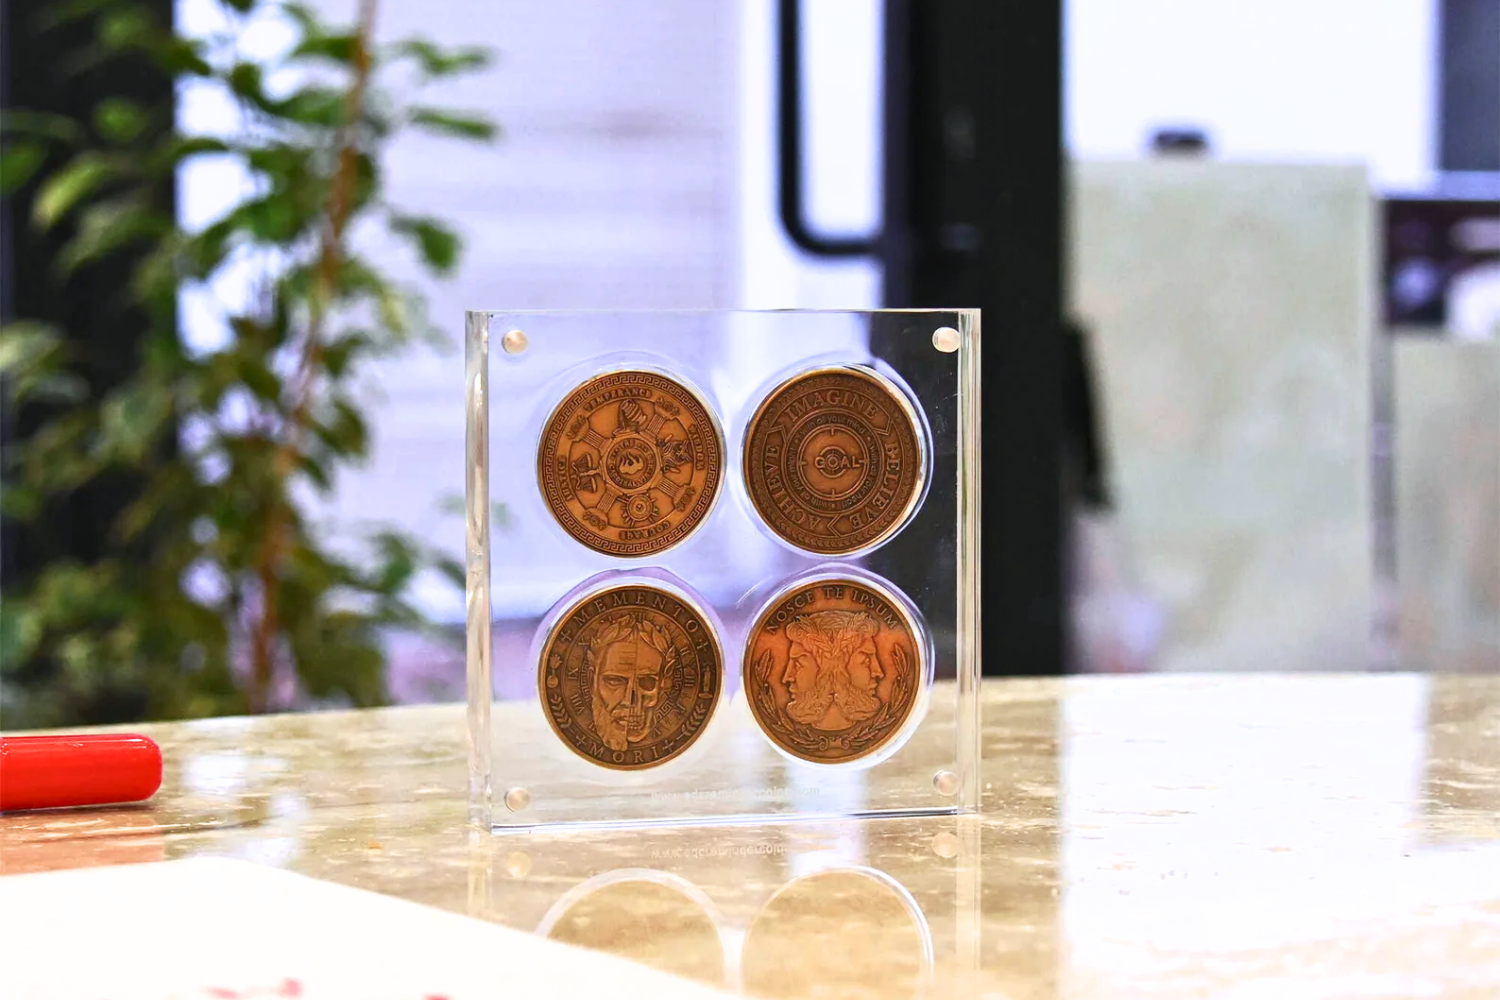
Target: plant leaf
{"x":459,"y":124}
{"x":257,"y":376}
{"x":451,"y":570}
{"x":132,"y":419}
{"x":20,"y":503}
{"x":181,"y":147}
{"x":320,"y":106}
{"x":395,"y":311}
{"x":437,"y":245}
{"x":338,"y":48}
{"x":245,"y":80}
{"x":277,"y":219}
{"x":31,"y":356}
{"x":60,"y":13}
{"x":307,"y":19}
{"x":341,"y":351}
{"x":24,"y":343}
{"x":124,"y":27}
{"x":18,"y":164}
{"x":181,"y":56}
{"x":397,"y":564}
{"x":41,"y":125}
{"x":20,"y":632}
{"x":110,"y":225}
{"x":317,"y":472}
{"x":162,"y":497}
{"x":66,"y":188}
{"x":437,"y":61}
{"x":154,"y":281}
{"x":343,"y":430}
{"x":119,"y":120}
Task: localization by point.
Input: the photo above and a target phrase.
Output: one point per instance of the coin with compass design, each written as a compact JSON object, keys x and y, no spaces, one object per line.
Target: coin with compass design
{"x":630,"y":463}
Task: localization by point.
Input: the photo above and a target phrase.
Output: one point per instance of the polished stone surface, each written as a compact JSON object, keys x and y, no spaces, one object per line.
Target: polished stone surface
{"x":1265,"y":836}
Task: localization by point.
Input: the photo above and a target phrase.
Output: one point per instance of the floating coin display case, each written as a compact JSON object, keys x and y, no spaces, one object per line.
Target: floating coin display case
{"x":721,"y":565}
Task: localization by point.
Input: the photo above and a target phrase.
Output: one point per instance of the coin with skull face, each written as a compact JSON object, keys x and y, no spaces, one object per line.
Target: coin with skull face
{"x":630,"y":676}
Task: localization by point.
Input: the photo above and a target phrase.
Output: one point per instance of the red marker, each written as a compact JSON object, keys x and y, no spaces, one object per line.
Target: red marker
{"x":43,"y":772}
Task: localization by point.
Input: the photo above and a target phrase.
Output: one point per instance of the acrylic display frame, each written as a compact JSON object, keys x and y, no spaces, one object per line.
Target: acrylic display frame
{"x":524,"y":568}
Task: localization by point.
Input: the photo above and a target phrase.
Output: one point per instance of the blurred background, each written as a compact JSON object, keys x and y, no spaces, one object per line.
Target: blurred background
{"x":1239,"y":265}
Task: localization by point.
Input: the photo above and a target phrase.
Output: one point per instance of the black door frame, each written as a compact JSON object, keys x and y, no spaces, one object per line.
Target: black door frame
{"x":973,"y":216}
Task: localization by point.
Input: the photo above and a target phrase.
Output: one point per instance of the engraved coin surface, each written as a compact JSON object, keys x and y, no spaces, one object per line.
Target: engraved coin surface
{"x":833,"y":668}
{"x":833,"y":460}
{"x":630,"y":676}
{"x":630,"y":463}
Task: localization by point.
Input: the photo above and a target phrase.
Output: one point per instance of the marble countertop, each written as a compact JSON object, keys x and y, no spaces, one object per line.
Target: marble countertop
{"x":1238,"y":836}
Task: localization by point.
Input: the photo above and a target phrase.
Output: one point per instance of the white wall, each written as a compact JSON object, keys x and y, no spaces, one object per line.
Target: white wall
{"x":1322,"y":81}
{"x":639,"y":165}
{"x":1334,"y":81}
{"x":614,"y":186}
{"x":841,"y":94}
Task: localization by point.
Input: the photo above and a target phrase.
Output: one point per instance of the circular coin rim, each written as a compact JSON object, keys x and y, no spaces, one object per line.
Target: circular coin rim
{"x":547,"y":644}
{"x":685,"y":386}
{"x":899,"y":734}
{"x":667,"y":880}
{"x":901,"y":892}
{"x":914,"y":419}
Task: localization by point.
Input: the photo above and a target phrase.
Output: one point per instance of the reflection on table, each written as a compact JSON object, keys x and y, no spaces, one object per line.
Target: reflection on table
{"x":786,"y":911}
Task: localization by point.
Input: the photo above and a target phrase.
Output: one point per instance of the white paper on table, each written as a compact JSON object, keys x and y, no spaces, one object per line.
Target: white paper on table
{"x":215,"y":929}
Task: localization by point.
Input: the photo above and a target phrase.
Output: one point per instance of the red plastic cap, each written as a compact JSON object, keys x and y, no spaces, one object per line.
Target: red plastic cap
{"x":44,"y":772}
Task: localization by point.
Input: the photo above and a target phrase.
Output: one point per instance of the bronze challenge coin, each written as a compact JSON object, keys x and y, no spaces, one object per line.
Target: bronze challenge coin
{"x":834,"y":461}
{"x":630,"y":676}
{"x":833,"y":668}
{"x":630,"y":463}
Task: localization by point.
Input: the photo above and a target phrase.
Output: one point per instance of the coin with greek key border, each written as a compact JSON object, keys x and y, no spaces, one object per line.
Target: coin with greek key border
{"x":630,"y":463}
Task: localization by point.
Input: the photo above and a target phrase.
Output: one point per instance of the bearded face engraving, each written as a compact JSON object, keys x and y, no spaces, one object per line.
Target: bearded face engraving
{"x":631,"y":660}
{"x":833,"y":670}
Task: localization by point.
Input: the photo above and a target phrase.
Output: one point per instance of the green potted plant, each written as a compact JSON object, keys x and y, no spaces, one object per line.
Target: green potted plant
{"x":215,"y":590}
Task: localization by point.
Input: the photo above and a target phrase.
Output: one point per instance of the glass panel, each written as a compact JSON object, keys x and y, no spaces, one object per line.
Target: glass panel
{"x":721,"y":564}
{"x":1447,"y":495}
{"x":1235,"y":371}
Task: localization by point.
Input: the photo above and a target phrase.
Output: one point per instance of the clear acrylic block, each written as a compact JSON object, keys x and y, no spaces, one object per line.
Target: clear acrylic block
{"x":721,"y":565}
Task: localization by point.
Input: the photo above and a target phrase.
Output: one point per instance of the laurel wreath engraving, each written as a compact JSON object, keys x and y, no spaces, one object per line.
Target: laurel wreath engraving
{"x":813,"y":741}
{"x":569,"y":701}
